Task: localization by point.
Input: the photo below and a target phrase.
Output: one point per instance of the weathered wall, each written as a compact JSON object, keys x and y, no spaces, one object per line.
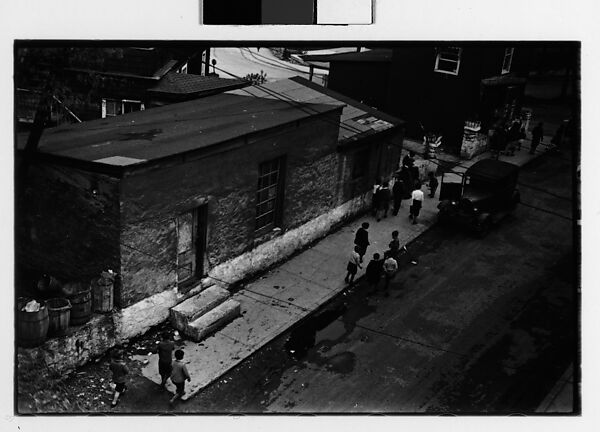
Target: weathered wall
{"x":62,"y":354}
{"x":67,"y":222}
{"x":138,"y":318}
{"x":226,"y":181}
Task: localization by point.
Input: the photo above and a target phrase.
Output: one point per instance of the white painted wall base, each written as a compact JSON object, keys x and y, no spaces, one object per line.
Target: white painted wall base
{"x":140,"y":317}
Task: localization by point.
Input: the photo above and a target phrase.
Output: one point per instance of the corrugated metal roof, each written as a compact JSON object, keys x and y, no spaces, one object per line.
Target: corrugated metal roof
{"x":173,"y":129}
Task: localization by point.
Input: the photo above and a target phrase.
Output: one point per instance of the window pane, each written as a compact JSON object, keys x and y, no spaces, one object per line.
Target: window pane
{"x":267,"y":199}
{"x":184,"y":272}
{"x":273,"y":178}
{"x":111,"y":108}
{"x":447,"y":65}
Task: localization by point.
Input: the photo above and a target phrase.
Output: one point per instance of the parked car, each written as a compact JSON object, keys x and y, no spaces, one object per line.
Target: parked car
{"x":481,"y":197}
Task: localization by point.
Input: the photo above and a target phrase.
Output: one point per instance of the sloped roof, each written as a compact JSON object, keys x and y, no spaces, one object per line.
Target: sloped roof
{"x":357,"y":120}
{"x":157,"y":133}
{"x":180,"y":83}
{"x":374,"y":55}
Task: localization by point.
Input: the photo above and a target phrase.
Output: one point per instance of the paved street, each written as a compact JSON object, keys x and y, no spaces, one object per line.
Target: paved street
{"x":478,"y":326}
{"x":243,"y":61}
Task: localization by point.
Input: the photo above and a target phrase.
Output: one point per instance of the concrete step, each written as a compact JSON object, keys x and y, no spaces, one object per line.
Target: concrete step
{"x":213,"y":320}
{"x":196,"y":306}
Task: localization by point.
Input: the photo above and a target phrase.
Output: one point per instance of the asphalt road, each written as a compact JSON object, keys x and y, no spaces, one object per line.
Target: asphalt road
{"x":477,"y":326}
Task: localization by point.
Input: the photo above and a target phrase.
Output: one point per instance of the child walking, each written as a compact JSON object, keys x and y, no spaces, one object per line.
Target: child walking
{"x":165,"y":358}
{"x":353,"y":265}
{"x":119,"y":371}
{"x":179,"y":375}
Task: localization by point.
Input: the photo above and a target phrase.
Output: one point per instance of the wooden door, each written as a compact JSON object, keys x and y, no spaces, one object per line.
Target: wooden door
{"x":191,"y":245}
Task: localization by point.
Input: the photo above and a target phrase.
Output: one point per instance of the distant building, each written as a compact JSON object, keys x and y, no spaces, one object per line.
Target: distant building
{"x":217,"y":188}
{"x":92,"y":83}
{"x":435,"y":88}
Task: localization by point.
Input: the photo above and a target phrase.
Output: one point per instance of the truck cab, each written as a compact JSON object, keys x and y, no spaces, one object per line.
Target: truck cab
{"x":480,"y":197}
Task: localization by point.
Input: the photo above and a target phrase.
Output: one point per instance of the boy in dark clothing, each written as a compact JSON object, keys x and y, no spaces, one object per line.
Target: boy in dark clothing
{"x":537,"y":134}
{"x":119,"y":371}
{"x":394,"y":245}
{"x":362,"y":240}
{"x":179,"y":375}
{"x":165,"y":358}
{"x":397,"y":193}
{"x":383,"y":198}
{"x":409,"y":160}
{"x":433,"y":184}
{"x":374,"y":271}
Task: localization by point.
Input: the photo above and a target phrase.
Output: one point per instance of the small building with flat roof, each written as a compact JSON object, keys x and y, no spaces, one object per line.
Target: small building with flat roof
{"x":211,"y":190}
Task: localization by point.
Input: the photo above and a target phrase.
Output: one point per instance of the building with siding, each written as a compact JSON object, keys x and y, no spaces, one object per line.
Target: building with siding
{"x":435,"y":87}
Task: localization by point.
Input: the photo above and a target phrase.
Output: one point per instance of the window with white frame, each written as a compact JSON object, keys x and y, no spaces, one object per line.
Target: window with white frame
{"x":507,"y":62}
{"x":447,"y":60}
{"x":183,"y":69}
{"x":115,"y":107}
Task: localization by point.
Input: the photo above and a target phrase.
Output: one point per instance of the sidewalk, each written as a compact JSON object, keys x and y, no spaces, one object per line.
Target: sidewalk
{"x":292,"y":291}
{"x":560,"y":399}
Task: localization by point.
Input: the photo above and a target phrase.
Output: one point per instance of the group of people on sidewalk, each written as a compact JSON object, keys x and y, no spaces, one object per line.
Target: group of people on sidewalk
{"x":404,"y":182}
{"x":387,"y":266}
{"x":379,"y":267}
{"x":508,"y":138}
{"x":176,"y":370}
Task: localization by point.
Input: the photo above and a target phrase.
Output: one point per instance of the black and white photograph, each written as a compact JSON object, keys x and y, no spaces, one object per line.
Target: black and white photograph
{"x":286,"y":226}
{"x":186,"y":214}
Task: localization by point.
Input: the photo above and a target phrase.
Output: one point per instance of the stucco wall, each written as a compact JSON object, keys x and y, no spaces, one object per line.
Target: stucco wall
{"x":227,"y":182}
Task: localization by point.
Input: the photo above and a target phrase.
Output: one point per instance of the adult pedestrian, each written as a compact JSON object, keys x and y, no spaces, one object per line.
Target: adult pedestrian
{"x":397,"y":193}
{"x":537,"y":135}
{"x":522,"y":137}
{"x":165,"y":357}
{"x":361,"y":240}
{"x":353,"y":265}
{"x":179,"y":375}
{"x":374,"y":201}
{"x":119,"y":371}
{"x":499,"y":141}
{"x":373,"y":272}
{"x":409,"y":160}
{"x":433,"y":184}
{"x":417,"y":202}
{"x":390,"y":267}
{"x":383,"y":199}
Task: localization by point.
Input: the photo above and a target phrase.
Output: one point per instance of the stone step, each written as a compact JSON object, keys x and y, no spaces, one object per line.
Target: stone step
{"x":213,"y":320}
{"x":196,"y":306}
